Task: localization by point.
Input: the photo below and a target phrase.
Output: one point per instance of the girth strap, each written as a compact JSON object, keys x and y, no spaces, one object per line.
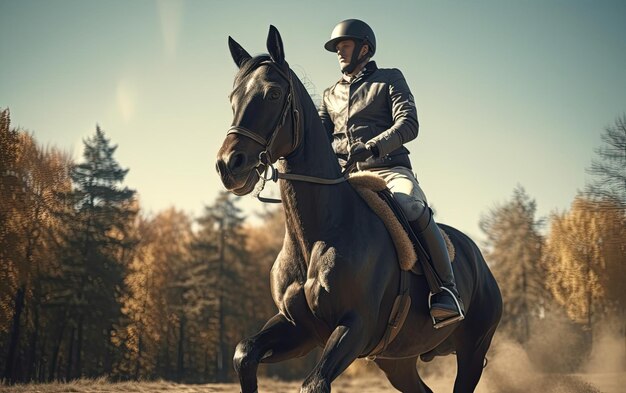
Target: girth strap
{"x":399,"y":311}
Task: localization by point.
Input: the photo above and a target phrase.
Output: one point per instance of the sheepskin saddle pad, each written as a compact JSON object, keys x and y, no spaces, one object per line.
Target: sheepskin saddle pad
{"x":368,"y":185}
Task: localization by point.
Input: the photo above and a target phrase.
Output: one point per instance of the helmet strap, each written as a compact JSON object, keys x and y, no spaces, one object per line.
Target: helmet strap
{"x":355,"y":60}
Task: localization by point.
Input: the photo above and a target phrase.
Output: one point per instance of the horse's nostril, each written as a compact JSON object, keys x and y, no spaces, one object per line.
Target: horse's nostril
{"x":236,"y":161}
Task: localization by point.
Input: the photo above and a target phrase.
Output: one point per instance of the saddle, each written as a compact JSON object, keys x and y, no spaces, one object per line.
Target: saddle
{"x":373,"y":190}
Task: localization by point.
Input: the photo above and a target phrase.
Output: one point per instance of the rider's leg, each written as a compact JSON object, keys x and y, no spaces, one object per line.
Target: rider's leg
{"x":443,"y":305}
{"x":407,"y":191}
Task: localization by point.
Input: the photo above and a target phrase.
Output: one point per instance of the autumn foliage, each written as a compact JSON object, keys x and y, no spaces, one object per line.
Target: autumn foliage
{"x":564,"y":273}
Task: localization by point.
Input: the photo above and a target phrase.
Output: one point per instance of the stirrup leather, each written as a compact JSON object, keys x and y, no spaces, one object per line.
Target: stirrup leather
{"x":438,"y":324}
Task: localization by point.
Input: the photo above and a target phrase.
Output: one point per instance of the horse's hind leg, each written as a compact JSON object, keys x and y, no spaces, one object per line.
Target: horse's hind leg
{"x":278,"y":340}
{"x":470,"y":359}
{"x":473,"y":337}
{"x":402,"y":373}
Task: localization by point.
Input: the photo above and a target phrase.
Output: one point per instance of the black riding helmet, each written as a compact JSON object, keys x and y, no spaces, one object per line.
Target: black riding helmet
{"x":352,"y":29}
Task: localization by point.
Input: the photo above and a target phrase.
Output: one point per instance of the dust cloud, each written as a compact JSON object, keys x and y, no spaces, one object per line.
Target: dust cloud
{"x":608,"y":354}
{"x":558,"y":358}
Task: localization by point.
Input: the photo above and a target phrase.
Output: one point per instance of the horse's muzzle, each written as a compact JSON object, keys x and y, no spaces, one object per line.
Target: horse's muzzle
{"x":235,"y":173}
{"x":233,"y":164}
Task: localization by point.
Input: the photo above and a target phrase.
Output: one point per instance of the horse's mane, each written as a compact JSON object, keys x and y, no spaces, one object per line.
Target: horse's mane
{"x":308,"y":84}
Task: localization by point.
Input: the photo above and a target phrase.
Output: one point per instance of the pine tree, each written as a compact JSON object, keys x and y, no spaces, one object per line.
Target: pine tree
{"x":221,"y":230}
{"x":607,"y":190}
{"x":609,"y":167}
{"x":94,"y":264}
{"x":202,"y":280}
{"x":514,"y":253}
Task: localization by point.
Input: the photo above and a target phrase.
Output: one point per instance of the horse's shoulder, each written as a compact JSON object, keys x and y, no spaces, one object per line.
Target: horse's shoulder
{"x":287,"y":269}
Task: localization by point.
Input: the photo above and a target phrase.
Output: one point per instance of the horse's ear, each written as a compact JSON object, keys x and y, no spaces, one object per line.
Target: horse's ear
{"x":239,"y":54}
{"x":275,"y":46}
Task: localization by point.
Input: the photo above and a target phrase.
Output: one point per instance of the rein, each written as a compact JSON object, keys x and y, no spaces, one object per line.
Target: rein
{"x":274,"y":175}
{"x":264,"y":167}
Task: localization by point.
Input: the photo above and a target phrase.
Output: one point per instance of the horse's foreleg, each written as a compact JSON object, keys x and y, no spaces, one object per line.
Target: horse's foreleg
{"x":278,"y":340}
{"x":342,"y":348}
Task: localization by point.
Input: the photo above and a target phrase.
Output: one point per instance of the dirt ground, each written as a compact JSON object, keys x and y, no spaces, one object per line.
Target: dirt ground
{"x":509,"y":371}
{"x":573,"y":383}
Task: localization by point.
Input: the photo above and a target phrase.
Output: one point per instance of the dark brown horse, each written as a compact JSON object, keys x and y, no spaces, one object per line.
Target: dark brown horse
{"x":336,"y":277}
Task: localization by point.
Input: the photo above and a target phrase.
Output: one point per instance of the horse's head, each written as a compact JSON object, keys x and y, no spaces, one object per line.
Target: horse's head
{"x":265,"y":119}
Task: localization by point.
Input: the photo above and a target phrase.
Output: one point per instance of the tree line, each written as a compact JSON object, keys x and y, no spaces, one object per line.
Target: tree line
{"x":91,"y":286}
{"x":562,"y":277}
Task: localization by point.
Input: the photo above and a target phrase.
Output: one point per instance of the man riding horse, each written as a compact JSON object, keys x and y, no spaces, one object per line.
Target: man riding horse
{"x":369,"y":115}
{"x":333,"y":282}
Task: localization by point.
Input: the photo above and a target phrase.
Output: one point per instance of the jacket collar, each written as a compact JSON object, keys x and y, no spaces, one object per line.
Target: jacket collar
{"x":369,"y":68}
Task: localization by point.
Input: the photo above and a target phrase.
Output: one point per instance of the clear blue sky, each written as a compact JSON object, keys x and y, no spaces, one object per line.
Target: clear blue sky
{"x":507,"y":92}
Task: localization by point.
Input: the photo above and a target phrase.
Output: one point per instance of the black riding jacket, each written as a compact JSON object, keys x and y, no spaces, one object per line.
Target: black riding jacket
{"x":375,"y":107}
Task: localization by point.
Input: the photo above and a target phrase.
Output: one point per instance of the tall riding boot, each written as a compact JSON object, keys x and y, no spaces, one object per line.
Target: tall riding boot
{"x":443,"y":305}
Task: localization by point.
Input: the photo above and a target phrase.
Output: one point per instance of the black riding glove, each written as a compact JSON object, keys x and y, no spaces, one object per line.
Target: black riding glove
{"x":360,"y":152}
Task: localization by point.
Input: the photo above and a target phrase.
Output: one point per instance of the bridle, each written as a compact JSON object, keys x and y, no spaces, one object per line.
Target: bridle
{"x":264,"y":167}
{"x":268,"y":144}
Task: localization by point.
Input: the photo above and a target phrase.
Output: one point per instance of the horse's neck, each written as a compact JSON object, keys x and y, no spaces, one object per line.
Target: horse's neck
{"x":311,"y":208}
{"x":315,"y":156}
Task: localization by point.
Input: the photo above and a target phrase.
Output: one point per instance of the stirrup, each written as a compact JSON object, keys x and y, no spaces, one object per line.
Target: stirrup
{"x":438,"y":324}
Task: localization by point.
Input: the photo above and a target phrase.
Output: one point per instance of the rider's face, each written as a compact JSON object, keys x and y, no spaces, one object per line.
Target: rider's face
{"x":344,"y":52}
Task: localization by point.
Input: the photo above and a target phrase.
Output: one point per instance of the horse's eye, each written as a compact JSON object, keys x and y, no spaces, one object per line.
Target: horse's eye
{"x":274,"y":94}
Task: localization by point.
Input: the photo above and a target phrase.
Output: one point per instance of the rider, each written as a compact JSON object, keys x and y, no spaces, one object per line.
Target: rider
{"x":369,"y":115}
